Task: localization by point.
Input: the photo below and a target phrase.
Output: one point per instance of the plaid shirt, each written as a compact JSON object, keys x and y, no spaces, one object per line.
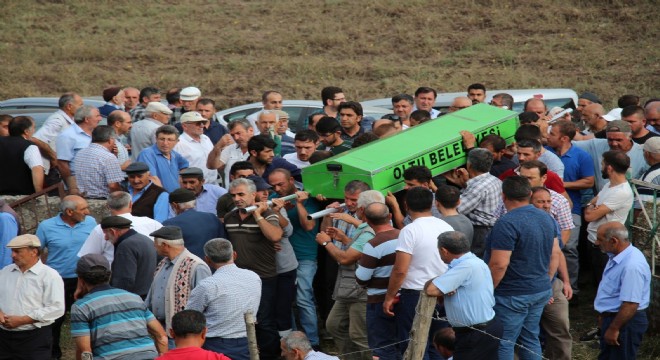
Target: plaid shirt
{"x":479,"y":200}
{"x":559,"y":209}
{"x":176,"y":115}
{"x":347,"y":228}
{"x":138,"y":113}
{"x":95,"y":167}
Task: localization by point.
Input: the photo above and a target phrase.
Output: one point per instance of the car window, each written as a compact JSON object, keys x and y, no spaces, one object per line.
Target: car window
{"x":240,"y":114}
{"x":297,"y":115}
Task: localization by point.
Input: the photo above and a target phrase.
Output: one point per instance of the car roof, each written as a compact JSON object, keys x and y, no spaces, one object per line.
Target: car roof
{"x":42,"y":102}
{"x":302,"y":103}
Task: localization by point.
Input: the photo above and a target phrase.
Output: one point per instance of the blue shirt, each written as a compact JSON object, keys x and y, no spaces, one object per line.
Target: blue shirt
{"x":207,"y":200}
{"x":161,"y":207}
{"x":8,"y":231}
{"x":303,"y":241}
{"x":473,"y":301}
{"x":577,"y":165}
{"x":627,"y":277}
{"x":70,"y":141}
{"x":166,"y":169}
{"x":64,"y":242}
{"x":530,"y":246}
{"x":197,"y":228}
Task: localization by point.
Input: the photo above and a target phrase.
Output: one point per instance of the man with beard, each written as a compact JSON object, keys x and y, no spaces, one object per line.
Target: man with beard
{"x":329,"y":132}
{"x":402,"y":105}
{"x":227,"y":151}
{"x":262,"y":156}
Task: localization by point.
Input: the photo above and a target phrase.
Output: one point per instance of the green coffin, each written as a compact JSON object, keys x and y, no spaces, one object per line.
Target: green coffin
{"x":435,"y":144}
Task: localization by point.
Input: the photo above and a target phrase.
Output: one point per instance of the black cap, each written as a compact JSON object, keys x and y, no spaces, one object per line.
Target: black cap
{"x":116,"y":222}
{"x":590,"y":96}
{"x":137,"y":168}
{"x":168,"y":233}
{"x":191,"y":172}
{"x":259,"y":182}
{"x":181,"y":195}
{"x":92,"y":262}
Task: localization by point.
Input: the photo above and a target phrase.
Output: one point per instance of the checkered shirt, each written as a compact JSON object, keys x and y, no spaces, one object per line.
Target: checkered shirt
{"x":479,"y":200}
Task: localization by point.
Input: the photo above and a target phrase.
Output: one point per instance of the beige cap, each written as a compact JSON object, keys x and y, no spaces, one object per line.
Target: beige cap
{"x":191,"y":116}
{"x":190,"y":93}
{"x":26,"y":240}
{"x":156,"y":106}
{"x":652,"y":145}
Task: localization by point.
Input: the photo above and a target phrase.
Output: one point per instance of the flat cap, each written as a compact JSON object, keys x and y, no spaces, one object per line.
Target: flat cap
{"x":111,"y":92}
{"x":192,"y":116}
{"x":259,"y":182}
{"x":191,"y":172}
{"x":115,"y":222}
{"x":618,"y":126}
{"x":168,"y":233}
{"x":190,"y":93}
{"x":614,"y":114}
{"x":137,"y":168}
{"x":155,"y":107}
{"x":590,"y":96}
{"x":652,"y":145}
{"x":26,"y":240}
{"x":181,"y":195}
{"x":92,"y":262}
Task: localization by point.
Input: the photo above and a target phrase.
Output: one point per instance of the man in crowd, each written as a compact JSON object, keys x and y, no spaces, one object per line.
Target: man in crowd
{"x":132,"y":96}
{"x":134,"y":259}
{"x":634,"y":115}
{"x":194,"y":146}
{"x":114,"y":100}
{"x":502,"y":100}
{"x":305,"y":143}
{"x":122,"y":123}
{"x":188,"y":96}
{"x":175,"y":276}
{"x":216,"y":128}
{"x":207,"y":195}
{"x":467,"y":291}
{"x":271,"y":100}
{"x":227,"y":151}
{"x":417,"y":261}
{"x":61,"y":238}
{"x":164,"y":162}
{"x":425,"y":99}
{"x":35,"y":301}
{"x":147,"y":95}
{"x":254,"y":236}
{"x":402,"y":106}
{"x":476,"y":93}
{"x":197,"y":227}
{"x":497,"y":146}
{"x":447,"y":200}
{"x":241,"y":169}
{"x":623,"y":294}
{"x":97,"y":169}
{"x":107,"y":322}
{"x":223,"y":298}
{"x":264,"y":160}
{"x":520,"y":258}
{"x":413,"y":176}
{"x":350,"y":113}
{"x":189,"y":333}
{"x":119,"y":204}
{"x":652,"y":175}
{"x":459,"y":103}
{"x":148,"y":199}
{"x":329,"y":132}
{"x":296,"y":346}
{"x":20,"y":158}
{"x":332,"y":97}
{"x":143,"y":132}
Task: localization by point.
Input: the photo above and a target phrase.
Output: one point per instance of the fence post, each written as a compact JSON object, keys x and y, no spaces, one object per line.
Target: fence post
{"x":251,"y":335}
{"x":419,"y":333}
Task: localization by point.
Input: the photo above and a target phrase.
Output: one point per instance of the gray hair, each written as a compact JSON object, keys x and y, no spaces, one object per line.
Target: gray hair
{"x":83,"y":113}
{"x":66,"y":99}
{"x":268,"y":112}
{"x":368,"y":197}
{"x":354,"y":186}
{"x":118,"y":200}
{"x":102,"y":134}
{"x":251,"y":187}
{"x":175,"y":243}
{"x":187,"y":205}
{"x":454,"y":241}
{"x":219,"y":250}
{"x":239,"y":122}
{"x":68,"y":205}
{"x":620,"y":233}
{"x":297,"y":340}
{"x":377,"y":213}
{"x":480,"y":160}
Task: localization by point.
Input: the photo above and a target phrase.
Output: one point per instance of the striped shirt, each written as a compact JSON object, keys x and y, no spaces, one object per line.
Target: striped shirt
{"x":116,"y":322}
{"x":255,"y":252}
{"x":224,"y":298}
{"x":480,"y":198}
{"x":95,"y":167}
{"x":375,"y":265}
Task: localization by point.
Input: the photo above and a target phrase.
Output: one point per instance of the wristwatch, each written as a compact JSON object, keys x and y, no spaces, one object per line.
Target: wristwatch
{"x":325,"y":243}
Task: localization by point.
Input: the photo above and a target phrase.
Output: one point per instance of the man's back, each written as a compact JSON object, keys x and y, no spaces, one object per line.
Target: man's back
{"x":197,"y":228}
{"x":95,"y":167}
{"x":420,"y":239}
{"x":143,"y":136}
{"x":134,"y":263}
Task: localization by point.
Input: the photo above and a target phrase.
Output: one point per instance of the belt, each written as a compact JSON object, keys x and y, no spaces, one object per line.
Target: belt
{"x":465,"y":329}
{"x":409,"y":291}
{"x":608,"y":314}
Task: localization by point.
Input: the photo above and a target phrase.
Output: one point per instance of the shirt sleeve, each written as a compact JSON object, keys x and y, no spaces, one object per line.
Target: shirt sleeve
{"x":32,"y":157}
{"x":406,"y":241}
{"x":452,"y":279}
{"x":563,"y":214}
{"x":616,"y":199}
{"x":79,"y":322}
{"x":366,"y":265}
{"x":358,"y":244}
{"x":113,"y":171}
{"x":49,"y":130}
{"x":202,"y":271}
{"x":632,"y":283}
{"x":53,"y":299}
{"x":197,"y":299}
{"x":65,"y":149}
{"x":162,"y":208}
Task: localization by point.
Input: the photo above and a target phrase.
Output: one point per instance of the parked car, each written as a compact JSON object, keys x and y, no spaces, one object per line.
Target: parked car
{"x":40,"y":108}
{"x":565,"y":98}
{"x":298,"y":111}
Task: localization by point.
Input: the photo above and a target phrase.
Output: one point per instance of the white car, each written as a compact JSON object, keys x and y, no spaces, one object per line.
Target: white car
{"x":298,"y":111}
{"x":564,"y":98}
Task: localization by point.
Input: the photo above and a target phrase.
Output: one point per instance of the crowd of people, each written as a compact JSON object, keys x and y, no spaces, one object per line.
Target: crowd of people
{"x":210,"y":220}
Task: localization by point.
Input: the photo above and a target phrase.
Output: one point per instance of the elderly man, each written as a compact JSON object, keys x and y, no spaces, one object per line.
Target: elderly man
{"x":652,"y":175}
{"x":134,"y":257}
{"x":62,"y":237}
{"x":108,"y":322}
{"x":20,"y":158}
{"x":228,"y":151}
{"x":254,"y":236}
{"x":97,"y":169}
{"x":148,"y":199}
{"x":224,"y":298}
{"x":296,"y":346}
{"x":194,"y":146}
{"x":119,"y":203}
{"x":188,"y":96}
{"x":207,"y":195}
{"x":143,"y":132}
{"x":197,"y":227}
{"x":503,"y":100}
{"x":122,"y":123}
{"x":114,"y":100}
{"x":467,"y":290}
{"x":176,"y":275}
{"x":271,"y":100}
{"x":147,"y":95}
{"x":35,"y":301}
{"x":623,"y":294}
{"x":164,"y":162}
{"x":347,"y":319}
{"x":132,"y":96}
{"x":459,"y":103}
{"x":652,"y":115}
{"x":76,"y":137}
{"x":189,"y":332}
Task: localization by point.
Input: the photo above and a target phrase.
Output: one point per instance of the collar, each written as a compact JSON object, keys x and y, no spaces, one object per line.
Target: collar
{"x":129,"y":233}
{"x":130,"y":189}
{"x":60,"y":222}
{"x":66,"y":116}
{"x":190,"y":139}
{"x":79,"y":130}
{"x":101,"y":287}
{"x":362,"y":226}
{"x":618,"y":258}
{"x":464,"y":257}
{"x":478,"y":177}
{"x":103,"y":148}
{"x":158,"y":152}
{"x":36,"y":269}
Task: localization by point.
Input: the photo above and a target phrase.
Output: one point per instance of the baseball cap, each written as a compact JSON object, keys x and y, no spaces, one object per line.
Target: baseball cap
{"x":618,"y":126}
{"x":652,"y":145}
{"x":92,"y":262}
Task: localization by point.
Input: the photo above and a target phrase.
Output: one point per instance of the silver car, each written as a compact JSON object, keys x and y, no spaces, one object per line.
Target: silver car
{"x":39,"y":108}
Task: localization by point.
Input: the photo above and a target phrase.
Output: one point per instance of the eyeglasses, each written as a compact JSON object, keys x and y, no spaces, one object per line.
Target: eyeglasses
{"x":199,"y":123}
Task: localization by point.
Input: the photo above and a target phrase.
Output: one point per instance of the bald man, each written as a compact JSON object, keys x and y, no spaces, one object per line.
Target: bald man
{"x":460,"y":103}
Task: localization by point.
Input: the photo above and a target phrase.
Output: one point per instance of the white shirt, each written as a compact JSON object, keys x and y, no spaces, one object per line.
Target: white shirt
{"x":54,"y":125}
{"x":37,"y":293}
{"x":196,"y":152}
{"x":96,"y":243}
{"x":617,"y":198}
{"x":229,"y":156}
{"x":252,"y":118}
{"x":293,"y":158}
{"x":32,"y":157}
{"x":434,"y":113}
{"x":420,"y":239}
